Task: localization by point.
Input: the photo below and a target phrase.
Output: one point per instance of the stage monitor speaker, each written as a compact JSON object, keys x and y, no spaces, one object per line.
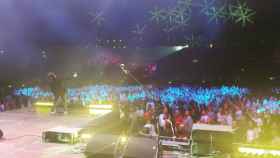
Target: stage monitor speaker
{"x":212,"y":138}
{"x":104,"y":145}
{"x":62,"y":135}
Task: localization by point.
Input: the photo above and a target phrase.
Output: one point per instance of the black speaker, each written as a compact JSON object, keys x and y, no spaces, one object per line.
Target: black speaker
{"x":103,"y":145}
{"x":1,"y":134}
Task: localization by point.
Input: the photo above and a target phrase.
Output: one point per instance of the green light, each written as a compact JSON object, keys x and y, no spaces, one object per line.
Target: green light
{"x":44,"y":103}
{"x":101,"y":106}
{"x":254,"y":151}
{"x":123,"y":139}
{"x":86,"y":136}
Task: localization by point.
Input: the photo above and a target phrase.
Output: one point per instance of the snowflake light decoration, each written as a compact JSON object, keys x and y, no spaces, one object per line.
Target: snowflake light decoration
{"x":243,"y":14}
{"x":182,"y":17}
{"x":179,"y":16}
{"x":97,"y":18}
{"x":206,"y":6}
{"x":157,"y":15}
{"x":170,"y":14}
{"x":186,"y":4}
{"x":216,"y":13}
{"x":139,"y":31}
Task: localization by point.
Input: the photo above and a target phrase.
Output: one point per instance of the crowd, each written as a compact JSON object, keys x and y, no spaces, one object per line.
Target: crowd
{"x":253,"y":118}
{"x":12,"y":102}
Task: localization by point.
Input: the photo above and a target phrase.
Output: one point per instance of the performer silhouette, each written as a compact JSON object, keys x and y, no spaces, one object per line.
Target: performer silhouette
{"x":59,"y":92}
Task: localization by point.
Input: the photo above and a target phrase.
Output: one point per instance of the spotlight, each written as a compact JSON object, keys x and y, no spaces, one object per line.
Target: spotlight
{"x":123,"y":139}
{"x":86,"y":136}
{"x":258,"y":151}
{"x":211,"y":45}
{"x":44,"y":103}
{"x":75,"y":75}
{"x":178,"y":48}
{"x":195,"y":61}
{"x":272,"y":78}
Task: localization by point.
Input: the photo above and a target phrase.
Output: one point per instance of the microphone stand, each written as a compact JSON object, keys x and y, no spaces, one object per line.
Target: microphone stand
{"x":127,"y":72}
{"x":121,"y":146}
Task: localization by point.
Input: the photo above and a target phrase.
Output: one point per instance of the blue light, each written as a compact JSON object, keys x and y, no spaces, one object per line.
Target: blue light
{"x":102,"y":93}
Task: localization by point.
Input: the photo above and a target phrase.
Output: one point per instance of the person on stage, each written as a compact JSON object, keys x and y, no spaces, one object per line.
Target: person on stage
{"x":59,"y":92}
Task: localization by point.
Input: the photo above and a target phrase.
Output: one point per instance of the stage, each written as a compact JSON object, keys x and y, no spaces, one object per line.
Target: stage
{"x":23,"y":135}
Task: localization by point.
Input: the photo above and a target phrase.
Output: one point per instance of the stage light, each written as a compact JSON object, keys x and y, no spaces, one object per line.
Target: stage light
{"x":259,"y":152}
{"x":271,"y":78}
{"x":100,"y":109}
{"x":75,"y":75}
{"x":101,"y":106}
{"x":99,"y":112}
{"x":86,"y":136}
{"x":44,"y":103}
{"x":211,"y":45}
{"x":195,"y":61}
{"x":123,"y":139}
{"x":178,"y":48}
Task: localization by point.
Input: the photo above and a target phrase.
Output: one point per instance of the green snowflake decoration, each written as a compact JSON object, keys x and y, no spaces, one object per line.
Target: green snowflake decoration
{"x":179,"y":16}
{"x":242,"y":14}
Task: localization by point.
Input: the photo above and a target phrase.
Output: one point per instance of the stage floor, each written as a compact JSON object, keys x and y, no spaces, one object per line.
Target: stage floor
{"x":23,"y":130}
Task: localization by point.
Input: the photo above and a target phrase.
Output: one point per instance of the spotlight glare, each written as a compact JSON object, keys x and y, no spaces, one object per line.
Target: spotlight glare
{"x":123,"y":139}
{"x":44,"y":103}
{"x":178,"y":48}
{"x":86,"y":136}
{"x":75,"y":75}
{"x":255,"y":151}
{"x":195,"y":61}
{"x":272,"y":78}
